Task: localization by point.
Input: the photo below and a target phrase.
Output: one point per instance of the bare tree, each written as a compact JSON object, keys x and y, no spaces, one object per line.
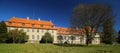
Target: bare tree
{"x":60,"y":38}
{"x":88,"y":18}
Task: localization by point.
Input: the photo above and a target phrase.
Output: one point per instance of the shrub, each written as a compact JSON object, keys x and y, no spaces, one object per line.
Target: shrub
{"x":47,"y":38}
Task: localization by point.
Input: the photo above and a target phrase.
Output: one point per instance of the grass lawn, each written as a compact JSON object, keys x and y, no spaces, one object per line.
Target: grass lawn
{"x":50,"y":48}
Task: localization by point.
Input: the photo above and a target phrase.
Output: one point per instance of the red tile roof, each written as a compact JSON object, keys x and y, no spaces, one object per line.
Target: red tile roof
{"x":63,"y":30}
{"x":18,"y":22}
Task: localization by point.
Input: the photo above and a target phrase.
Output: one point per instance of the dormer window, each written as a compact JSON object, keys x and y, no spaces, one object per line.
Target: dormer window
{"x":62,"y":31}
{"x":10,"y":23}
{"x":41,"y":25}
{"x":33,"y":25}
{"x":52,"y":26}
{"x":23,"y":24}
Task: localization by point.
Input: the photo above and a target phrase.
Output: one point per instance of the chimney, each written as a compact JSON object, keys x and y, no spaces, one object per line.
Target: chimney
{"x":13,"y":16}
{"x":27,"y":18}
{"x":50,"y":20}
{"x":76,"y":28}
{"x":38,"y":19}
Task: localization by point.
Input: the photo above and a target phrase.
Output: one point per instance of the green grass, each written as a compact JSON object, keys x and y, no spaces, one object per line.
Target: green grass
{"x":50,"y":48}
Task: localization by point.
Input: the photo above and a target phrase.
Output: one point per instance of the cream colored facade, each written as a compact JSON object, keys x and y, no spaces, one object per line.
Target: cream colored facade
{"x":35,"y":33}
{"x":96,"y":39}
{"x":77,"y":40}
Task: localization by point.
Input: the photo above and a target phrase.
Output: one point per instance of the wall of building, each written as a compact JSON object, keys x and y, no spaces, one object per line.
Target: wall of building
{"x":67,"y":38}
{"x":77,"y":40}
{"x":96,"y":39}
{"x":34,"y":34}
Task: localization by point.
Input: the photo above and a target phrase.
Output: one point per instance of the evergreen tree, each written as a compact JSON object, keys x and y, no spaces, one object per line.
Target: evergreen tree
{"x":118,"y":39}
{"x":108,"y":31}
{"x":3,"y":32}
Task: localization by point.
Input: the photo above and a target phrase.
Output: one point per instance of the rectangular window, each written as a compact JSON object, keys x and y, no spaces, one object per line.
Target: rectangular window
{"x":42,"y":30}
{"x":64,"y":37}
{"x":37,"y":36}
{"x":81,"y":39}
{"x":72,"y":37}
{"x":48,"y":30}
{"x":37,"y":30}
{"x":52,"y":31}
{"x":32,"y":30}
{"x":33,"y":37}
{"x":60,"y":37}
{"x":27,"y":30}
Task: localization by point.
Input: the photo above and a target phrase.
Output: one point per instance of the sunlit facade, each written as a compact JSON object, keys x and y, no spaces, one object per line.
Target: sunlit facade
{"x":35,"y":29}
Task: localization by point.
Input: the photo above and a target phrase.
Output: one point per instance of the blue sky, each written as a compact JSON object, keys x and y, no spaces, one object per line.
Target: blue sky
{"x":59,"y":11}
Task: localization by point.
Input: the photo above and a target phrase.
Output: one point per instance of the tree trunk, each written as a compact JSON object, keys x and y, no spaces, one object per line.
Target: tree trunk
{"x":87,"y":39}
{"x":46,"y":40}
{"x":13,"y":39}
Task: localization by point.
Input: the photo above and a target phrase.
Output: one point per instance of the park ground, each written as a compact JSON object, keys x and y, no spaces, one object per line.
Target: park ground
{"x":51,"y":48}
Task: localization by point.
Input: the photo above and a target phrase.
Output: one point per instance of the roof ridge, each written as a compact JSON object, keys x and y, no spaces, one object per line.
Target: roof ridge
{"x":30,"y":19}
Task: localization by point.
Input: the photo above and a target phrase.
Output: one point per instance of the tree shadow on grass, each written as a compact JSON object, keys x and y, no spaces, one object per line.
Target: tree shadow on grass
{"x":70,"y":45}
{"x":77,"y":45}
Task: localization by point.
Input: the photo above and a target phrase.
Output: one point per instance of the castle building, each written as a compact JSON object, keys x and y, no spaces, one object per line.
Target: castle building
{"x":35,"y":29}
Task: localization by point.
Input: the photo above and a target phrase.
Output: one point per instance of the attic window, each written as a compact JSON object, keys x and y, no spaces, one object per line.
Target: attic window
{"x":52,"y":26}
{"x":33,"y":25}
{"x":10,"y":23}
{"x":41,"y":25}
{"x":23,"y":24}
